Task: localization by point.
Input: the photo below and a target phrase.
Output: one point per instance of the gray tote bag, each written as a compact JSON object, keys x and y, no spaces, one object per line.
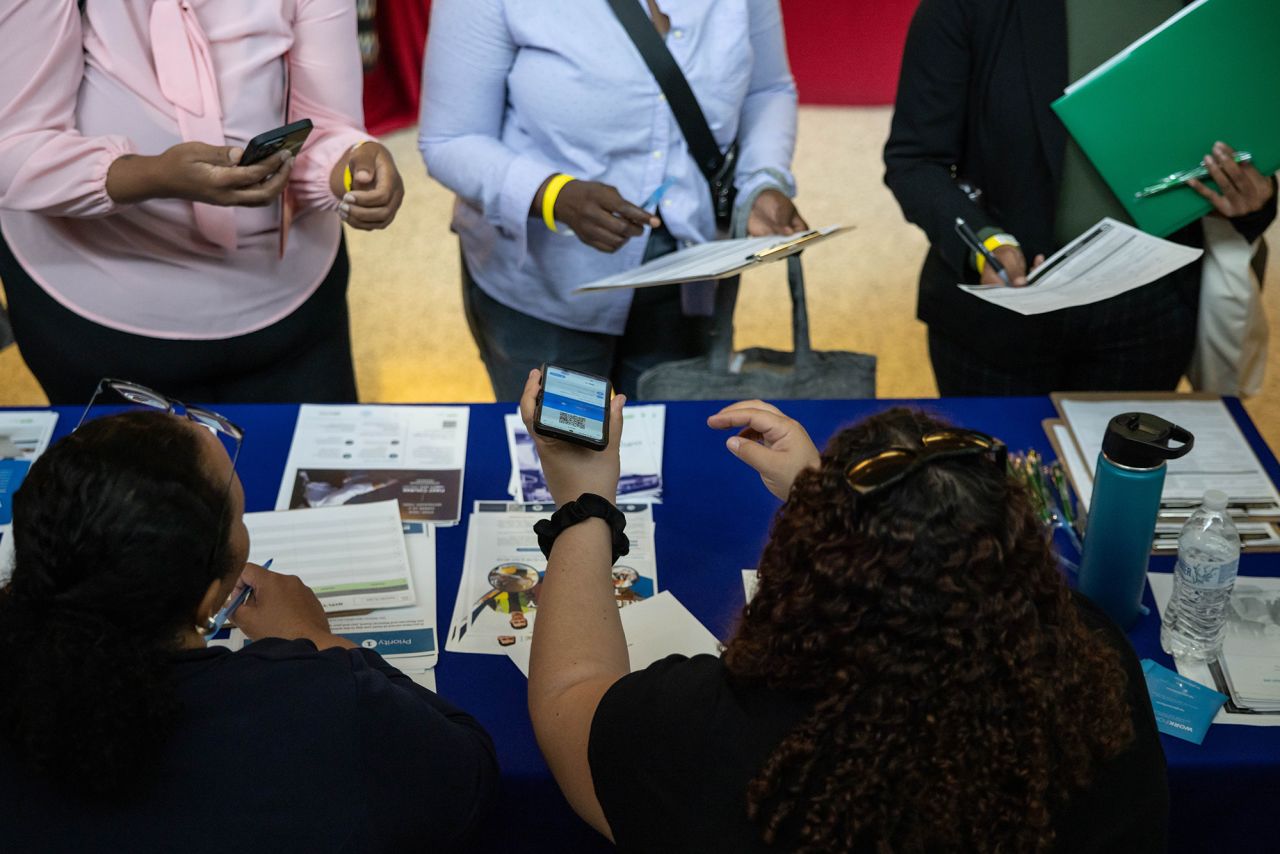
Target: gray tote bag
{"x":758,"y":372}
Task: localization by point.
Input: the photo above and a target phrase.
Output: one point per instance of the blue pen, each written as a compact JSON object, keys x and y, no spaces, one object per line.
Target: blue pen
{"x":219,"y":619}
{"x":656,"y":195}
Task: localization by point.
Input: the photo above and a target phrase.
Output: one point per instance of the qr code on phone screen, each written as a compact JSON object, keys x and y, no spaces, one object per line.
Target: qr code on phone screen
{"x":573,"y":420}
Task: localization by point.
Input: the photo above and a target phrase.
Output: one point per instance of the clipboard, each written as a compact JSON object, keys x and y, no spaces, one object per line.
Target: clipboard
{"x":1252,"y":526}
{"x":718,"y":259}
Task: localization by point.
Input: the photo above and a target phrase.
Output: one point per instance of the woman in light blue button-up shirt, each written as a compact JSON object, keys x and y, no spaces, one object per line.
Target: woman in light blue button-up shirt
{"x":517,"y":91}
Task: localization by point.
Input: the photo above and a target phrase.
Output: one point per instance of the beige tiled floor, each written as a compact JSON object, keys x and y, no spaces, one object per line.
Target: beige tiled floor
{"x":412,"y":343}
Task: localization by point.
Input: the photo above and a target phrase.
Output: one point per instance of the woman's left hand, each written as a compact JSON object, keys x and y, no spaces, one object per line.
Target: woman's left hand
{"x":774,"y":213}
{"x":376,"y":187}
{"x":1242,"y":188}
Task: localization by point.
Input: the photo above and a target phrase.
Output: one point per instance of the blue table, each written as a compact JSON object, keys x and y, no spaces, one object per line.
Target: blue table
{"x":713,"y":524}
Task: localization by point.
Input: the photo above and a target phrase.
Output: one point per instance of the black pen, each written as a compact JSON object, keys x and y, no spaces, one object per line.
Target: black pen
{"x":1040,"y":271}
{"x":971,"y":240}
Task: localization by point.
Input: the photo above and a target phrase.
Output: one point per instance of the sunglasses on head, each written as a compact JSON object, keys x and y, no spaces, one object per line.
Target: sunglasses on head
{"x":876,"y":472}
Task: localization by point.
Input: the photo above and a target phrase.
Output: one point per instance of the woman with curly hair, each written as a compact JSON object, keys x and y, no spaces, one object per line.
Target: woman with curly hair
{"x":121,"y":730}
{"x":912,"y":675}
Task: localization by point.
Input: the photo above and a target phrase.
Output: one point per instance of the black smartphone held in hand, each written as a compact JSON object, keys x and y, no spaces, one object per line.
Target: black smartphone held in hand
{"x":290,"y":137}
{"x":574,"y":407}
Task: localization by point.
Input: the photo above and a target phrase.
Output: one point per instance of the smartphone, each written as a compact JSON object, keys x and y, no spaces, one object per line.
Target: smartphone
{"x":573,"y":406}
{"x":290,"y":137}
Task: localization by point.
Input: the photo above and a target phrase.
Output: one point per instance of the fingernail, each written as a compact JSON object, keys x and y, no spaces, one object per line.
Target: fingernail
{"x":349,"y":198}
{"x":344,"y":208}
{"x":734,"y":443}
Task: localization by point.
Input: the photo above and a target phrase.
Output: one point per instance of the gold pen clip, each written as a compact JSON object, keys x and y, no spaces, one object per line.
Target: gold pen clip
{"x":783,"y":247}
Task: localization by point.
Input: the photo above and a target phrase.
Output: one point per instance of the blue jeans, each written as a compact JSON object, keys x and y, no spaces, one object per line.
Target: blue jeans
{"x":512,"y":343}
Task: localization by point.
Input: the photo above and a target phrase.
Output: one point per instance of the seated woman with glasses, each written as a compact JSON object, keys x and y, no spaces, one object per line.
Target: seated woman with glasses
{"x":120,"y":728}
{"x":912,"y":674}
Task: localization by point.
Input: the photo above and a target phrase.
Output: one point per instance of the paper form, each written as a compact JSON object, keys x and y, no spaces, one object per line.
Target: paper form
{"x":405,"y":636}
{"x":641,"y":452}
{"x":1221,"y":458}
{"x":717,"y":259}
{"x":655,"y":629}
{"x":1107,"y":260}
{"x":352,"y":556}
{"x":359,"y":454}
{"x":1249,"y":668}
{"x":497,"y":601}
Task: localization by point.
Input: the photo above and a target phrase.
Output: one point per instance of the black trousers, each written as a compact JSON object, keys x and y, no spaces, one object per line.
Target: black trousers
{"x":1139,"y":341}
{"x":513,"y":343}
{"x":304,"y":357}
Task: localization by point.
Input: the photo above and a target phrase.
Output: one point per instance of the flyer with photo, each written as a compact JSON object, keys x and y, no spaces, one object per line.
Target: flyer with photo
{"x":415,"y":455}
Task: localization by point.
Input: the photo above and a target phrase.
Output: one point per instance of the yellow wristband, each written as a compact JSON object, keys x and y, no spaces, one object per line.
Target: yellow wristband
{"x":990,"y":245}
{"x":346,"y":172}
{"x":549,"y":196}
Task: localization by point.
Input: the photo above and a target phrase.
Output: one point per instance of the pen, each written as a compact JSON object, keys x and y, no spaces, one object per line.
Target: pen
{"x":1039,"y":272}
{"x":656,"y":195}
{"x":1178,"y":179}
{"x":971,"y":240}
{"x":220,"y":618}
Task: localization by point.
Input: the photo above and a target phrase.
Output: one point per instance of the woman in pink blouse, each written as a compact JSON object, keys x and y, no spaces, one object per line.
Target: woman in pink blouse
{"x":133,"y":245}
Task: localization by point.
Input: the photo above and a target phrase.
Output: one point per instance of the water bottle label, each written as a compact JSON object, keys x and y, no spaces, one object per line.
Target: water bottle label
{"x":1214,"y":576}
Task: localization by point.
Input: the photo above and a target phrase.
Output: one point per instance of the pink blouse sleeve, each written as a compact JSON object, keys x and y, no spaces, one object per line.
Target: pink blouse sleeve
{"x":327,"y":83}
{"x":46,"y":165}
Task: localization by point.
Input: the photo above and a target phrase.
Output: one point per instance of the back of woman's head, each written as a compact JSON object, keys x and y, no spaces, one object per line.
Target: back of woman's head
{"x":118,"y":532}
{"x":958,"y":697}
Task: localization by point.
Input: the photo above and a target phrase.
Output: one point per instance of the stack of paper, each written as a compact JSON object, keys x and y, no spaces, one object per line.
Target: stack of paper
{"x":24,"y":435}
{"x":1221,"y":459}
{"x":644,"y":428}
{"x":497,"y":602}
{"x":376,"y":582}
{"x":1248,"y":670}
{"x":360,"y":454}
{"x":656,"y":628}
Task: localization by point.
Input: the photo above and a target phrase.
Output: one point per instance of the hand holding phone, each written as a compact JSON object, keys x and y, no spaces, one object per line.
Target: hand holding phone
{"x":576,"y":424}
{"x":289,"y":138}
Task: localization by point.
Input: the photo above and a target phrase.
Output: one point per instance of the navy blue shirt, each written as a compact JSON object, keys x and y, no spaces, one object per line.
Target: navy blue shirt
{"x":283,"y":748}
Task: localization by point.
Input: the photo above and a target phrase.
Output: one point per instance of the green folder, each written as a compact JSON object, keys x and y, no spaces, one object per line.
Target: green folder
{"x":1208,"y":73}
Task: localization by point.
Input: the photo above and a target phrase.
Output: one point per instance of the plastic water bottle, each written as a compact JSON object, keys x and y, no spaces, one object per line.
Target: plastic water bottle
{"x":1208,"y":558}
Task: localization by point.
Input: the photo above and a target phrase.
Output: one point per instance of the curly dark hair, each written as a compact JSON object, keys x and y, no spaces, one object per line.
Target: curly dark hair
{"x":959,"y":699}
{"x":118,"y":531}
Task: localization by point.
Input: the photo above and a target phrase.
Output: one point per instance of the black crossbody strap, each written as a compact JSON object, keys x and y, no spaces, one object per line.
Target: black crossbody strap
{"x":693,"y":124}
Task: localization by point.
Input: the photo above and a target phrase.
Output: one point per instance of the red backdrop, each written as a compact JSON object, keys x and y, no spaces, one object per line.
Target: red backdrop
{"x":843,"y":52}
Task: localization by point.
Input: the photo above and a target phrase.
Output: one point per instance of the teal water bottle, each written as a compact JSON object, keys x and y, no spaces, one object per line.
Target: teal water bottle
{"x":1122,"y":513}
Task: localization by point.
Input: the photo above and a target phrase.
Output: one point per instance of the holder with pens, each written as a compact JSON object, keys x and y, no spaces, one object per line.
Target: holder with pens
{"x":1054,"y":502}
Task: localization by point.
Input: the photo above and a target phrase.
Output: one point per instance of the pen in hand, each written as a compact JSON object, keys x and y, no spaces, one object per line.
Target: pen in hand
{"x":971,"y":240}
{"x":219,"y":619}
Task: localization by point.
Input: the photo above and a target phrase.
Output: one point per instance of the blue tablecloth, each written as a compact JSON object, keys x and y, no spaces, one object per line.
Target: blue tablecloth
{"x":712,"y":525}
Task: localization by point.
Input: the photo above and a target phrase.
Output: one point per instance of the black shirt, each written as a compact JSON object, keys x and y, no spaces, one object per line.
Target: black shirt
{"x":282,"y":748}
{"x":674,"y":746}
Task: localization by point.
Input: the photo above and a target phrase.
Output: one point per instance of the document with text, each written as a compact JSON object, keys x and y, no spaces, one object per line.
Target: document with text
{"x":1107,"y":260}
{"x":361,"y":454}
{"x":353,"y":556}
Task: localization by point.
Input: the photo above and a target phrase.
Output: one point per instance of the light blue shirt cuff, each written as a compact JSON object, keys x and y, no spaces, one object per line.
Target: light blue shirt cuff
{"x":762,"y":178}
{"x":524,"y":176}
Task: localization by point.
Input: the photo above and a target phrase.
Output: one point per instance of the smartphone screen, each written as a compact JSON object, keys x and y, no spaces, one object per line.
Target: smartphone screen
{"x":574,"y":403}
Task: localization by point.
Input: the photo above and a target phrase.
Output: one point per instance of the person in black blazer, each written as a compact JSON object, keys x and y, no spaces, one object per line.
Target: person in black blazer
{"x":973,"y":136}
